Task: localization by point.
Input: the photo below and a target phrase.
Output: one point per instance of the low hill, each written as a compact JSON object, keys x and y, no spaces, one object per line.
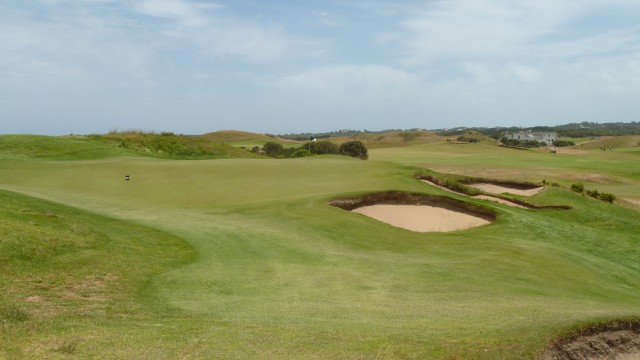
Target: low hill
{"x":164,"y":145}
{"x":56,"y":148}
{"x":612,"y":141}
{"x":169,"y":145}
{"x":474,"y":137}
{"x":233,"y":135}
{"x":392,"y":139}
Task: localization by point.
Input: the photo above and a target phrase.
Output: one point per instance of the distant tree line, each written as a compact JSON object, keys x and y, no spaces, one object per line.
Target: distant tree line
{"x":572,"y":130}
{"x":339,"y":133}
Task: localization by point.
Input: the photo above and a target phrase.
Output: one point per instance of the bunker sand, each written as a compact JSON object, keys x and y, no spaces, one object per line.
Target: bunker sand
{"x":422,"y":218}
{"x":500,"y":189}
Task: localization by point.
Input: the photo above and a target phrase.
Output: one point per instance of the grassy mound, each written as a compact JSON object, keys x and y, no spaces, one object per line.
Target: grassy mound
{"x":133,"y":143}
{"x":393,"y":139}
{"x":234,"y":136}
{"x":169,"y":145}
{"x":56,"y":148}
{"x":614,"y":142}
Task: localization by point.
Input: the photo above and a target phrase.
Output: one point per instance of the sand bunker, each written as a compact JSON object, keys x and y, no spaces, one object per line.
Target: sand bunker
{"x":418,"y":212}
{"x":422,"y":218}
{"x":481,"y":197}
{"x":506,"y":188}
{"x":611,"y":344}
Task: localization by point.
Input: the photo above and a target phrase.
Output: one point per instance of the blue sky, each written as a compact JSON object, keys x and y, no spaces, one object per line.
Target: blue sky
{"x":194,"y":66}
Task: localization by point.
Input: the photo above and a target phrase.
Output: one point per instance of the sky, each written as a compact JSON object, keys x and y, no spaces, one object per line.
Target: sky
{"x":285,"y":66}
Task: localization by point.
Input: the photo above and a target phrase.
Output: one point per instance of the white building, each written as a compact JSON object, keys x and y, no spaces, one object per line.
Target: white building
{"x":547,"y":137}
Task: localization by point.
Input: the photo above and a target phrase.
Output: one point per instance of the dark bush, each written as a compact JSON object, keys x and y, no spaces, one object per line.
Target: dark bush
{"x":522,"y":143}
{"x":324,"y":147}
{"x":354,"y":149}
{"x":607,"y":197}
{"x":561,"y":143}
{"x":577,"y":187}
{"x":273,"y":149}
{"x":469,"y":139}
{"x":301,"y":152}
{"x":593,"y":193}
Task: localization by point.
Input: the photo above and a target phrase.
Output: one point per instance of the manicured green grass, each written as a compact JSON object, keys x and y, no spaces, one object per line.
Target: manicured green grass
{"x":278,"y":273}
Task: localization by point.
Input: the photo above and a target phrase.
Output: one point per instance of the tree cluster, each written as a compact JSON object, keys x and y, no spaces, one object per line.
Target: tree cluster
{"x":522,"y":143}
{"x":351,"y":148}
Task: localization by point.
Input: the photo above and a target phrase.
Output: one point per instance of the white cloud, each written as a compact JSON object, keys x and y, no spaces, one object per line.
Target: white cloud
{"x":525,"y":73}
{"x":213,"y":33}
{"x":498,"y":29}
{"x":347,"y":78}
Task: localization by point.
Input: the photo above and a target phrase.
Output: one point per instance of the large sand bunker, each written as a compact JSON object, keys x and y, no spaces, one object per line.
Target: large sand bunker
{"x":418,"y":212}
{"x":422,"y":218}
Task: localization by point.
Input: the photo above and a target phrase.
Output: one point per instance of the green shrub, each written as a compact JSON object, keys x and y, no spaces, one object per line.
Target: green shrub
{"x":577,"y":187}
{"x":607,"y":197}
{"x":354,"y":149}
{"x":301,"y":152}
{"x":522,"y":143}
{"x":323,"y":147}
{"x":593,"y":193}
{"x":561,"y":143}
{"x":273,"y":149}
{"x":469,"y":139}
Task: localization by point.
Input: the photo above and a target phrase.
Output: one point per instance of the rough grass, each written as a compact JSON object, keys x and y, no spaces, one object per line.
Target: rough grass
{"x":281,"y":274}
{"x":56,"y":148}
{"x":169,"y":145}
{"x":63,"y":268}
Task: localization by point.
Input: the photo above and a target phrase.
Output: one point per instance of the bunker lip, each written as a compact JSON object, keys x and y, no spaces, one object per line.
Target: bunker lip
{"x":619,"y":339}
{"x":394,"y":197}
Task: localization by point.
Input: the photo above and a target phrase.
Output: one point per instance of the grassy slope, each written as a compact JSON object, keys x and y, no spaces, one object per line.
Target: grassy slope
{"x":56,"y":148}
{"x":392,"y":139}
{"x":115,"y":144}
{"x":75,"y":282}
{"x":280,"y":274}
{"x":246,"y":140}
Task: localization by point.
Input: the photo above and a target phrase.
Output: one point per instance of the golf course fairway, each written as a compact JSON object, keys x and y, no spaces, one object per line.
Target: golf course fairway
{"x":245,"y":258}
